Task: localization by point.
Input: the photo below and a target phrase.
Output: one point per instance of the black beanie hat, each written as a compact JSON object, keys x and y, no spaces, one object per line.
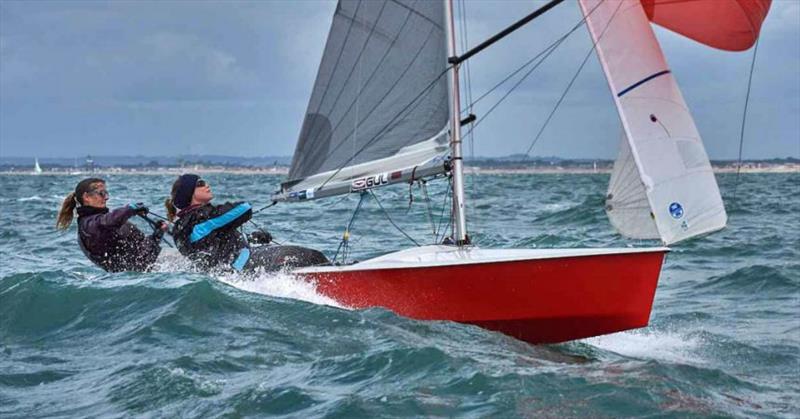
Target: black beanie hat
{"x":85,"y":186}
{"x":185,"y":191}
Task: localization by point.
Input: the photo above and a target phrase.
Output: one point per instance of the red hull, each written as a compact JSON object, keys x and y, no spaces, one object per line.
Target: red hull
{"x":538,"y":300}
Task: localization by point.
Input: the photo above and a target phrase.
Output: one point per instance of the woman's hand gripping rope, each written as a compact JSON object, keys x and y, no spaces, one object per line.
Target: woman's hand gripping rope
{"x":159,"y":226}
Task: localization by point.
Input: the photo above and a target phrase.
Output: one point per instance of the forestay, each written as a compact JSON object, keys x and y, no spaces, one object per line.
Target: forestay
{"x":672,"y":172}
{"x":379,"y":108}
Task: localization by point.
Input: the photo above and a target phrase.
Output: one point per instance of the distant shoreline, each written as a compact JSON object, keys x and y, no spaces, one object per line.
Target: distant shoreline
{"x":283,"y":171}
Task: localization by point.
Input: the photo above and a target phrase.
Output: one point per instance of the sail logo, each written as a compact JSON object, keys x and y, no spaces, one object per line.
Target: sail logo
{"x":676,"y":210}
{"x":369,"y":182}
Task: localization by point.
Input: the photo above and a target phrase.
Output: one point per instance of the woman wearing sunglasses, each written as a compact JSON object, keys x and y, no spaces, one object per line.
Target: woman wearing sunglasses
{"x":106,"y":236}
{"x":209,"y":236}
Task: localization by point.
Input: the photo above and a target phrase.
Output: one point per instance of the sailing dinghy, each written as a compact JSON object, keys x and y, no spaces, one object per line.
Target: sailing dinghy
{"x":385,"y":109}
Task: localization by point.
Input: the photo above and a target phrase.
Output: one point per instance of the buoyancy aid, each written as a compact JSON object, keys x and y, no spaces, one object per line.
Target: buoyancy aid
{"x":208,"y":235}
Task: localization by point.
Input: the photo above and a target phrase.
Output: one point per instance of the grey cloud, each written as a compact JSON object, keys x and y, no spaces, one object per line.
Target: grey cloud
{"x":235,"y":77}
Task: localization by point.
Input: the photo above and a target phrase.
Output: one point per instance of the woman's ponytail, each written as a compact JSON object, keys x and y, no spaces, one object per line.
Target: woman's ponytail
{"x":171,"y":210}
{"x":66,"y":213}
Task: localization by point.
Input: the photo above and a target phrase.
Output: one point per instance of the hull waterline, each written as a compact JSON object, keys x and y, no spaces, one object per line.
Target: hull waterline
{"x":535,"y":296}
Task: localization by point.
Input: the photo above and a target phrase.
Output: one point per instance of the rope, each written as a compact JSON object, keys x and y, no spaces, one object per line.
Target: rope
{"x":346,"y":235}
{"x":386,"y":213}
{"x":156,"y":228}
{"x":571,"y":82}
{"x":265,"y":207}
{"x":326,"y":206}
{"x":264,"y":231}
{"x":159,"y":216}
{"x":744,"y":120}
{"x":424,"y":186}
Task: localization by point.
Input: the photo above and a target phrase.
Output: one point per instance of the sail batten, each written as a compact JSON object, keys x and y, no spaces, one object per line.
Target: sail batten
{"x":642,"y":81}
{"x":379,"y":92}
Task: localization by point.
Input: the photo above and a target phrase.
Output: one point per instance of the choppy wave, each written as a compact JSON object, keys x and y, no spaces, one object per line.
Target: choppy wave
{"x":75,"y":341}
{"x":755,"y":280}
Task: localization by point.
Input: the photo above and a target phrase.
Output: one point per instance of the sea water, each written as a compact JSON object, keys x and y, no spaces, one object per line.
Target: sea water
{"x":723,"y":340}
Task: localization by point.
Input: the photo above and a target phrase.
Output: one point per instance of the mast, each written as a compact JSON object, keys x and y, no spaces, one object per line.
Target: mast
{"x":459,"y":214}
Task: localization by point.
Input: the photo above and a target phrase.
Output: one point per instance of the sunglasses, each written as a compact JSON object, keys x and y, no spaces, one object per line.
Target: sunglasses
{"x":200,"y":183}
{"x":103,"y":194}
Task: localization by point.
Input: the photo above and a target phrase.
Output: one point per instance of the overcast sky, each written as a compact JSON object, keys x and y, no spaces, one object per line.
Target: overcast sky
{"x":234,"y":78}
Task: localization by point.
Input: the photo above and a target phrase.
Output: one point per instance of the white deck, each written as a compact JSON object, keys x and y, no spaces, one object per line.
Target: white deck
{"x":437,"y":255}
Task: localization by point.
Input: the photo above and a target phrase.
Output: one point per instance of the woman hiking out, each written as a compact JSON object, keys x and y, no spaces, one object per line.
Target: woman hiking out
{"x":207,"y":234}
{"x":105,"y":236}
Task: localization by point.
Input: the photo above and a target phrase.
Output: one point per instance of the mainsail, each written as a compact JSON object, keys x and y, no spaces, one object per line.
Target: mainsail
{"x":673,"y":174}
{"x":379,"y":108}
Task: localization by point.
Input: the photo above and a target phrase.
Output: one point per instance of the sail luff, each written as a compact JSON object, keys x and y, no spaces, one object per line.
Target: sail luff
{"x":672,"y":164}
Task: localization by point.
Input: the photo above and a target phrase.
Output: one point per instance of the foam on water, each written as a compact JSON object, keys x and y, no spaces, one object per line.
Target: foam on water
{"x":277,"y":284}
{"x":31,"y":198}
{"x":555,"y":207}
{"x":169,"y":260}
{"x":657,"y":345}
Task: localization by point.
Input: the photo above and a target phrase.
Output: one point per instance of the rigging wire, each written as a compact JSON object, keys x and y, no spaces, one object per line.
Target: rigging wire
{"x":445,"y":204}
{"x":744,"y":120}
{"x":550,"y":50}
{"x":558,"y":103}
{"x":447,"y":227}
{"x":554,"y":44}
{"x":571,"y":82}
{"x":328,"y":206}
{"x":386,"y":213}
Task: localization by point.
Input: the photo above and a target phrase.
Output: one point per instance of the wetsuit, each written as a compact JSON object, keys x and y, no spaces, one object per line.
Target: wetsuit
{"x":114,"y":244}
{"x":208,"y":235}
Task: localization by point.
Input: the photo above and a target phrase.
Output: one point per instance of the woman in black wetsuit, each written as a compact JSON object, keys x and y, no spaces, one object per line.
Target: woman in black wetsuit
{"x":106,"y":237}
{"x":207,"y":234}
